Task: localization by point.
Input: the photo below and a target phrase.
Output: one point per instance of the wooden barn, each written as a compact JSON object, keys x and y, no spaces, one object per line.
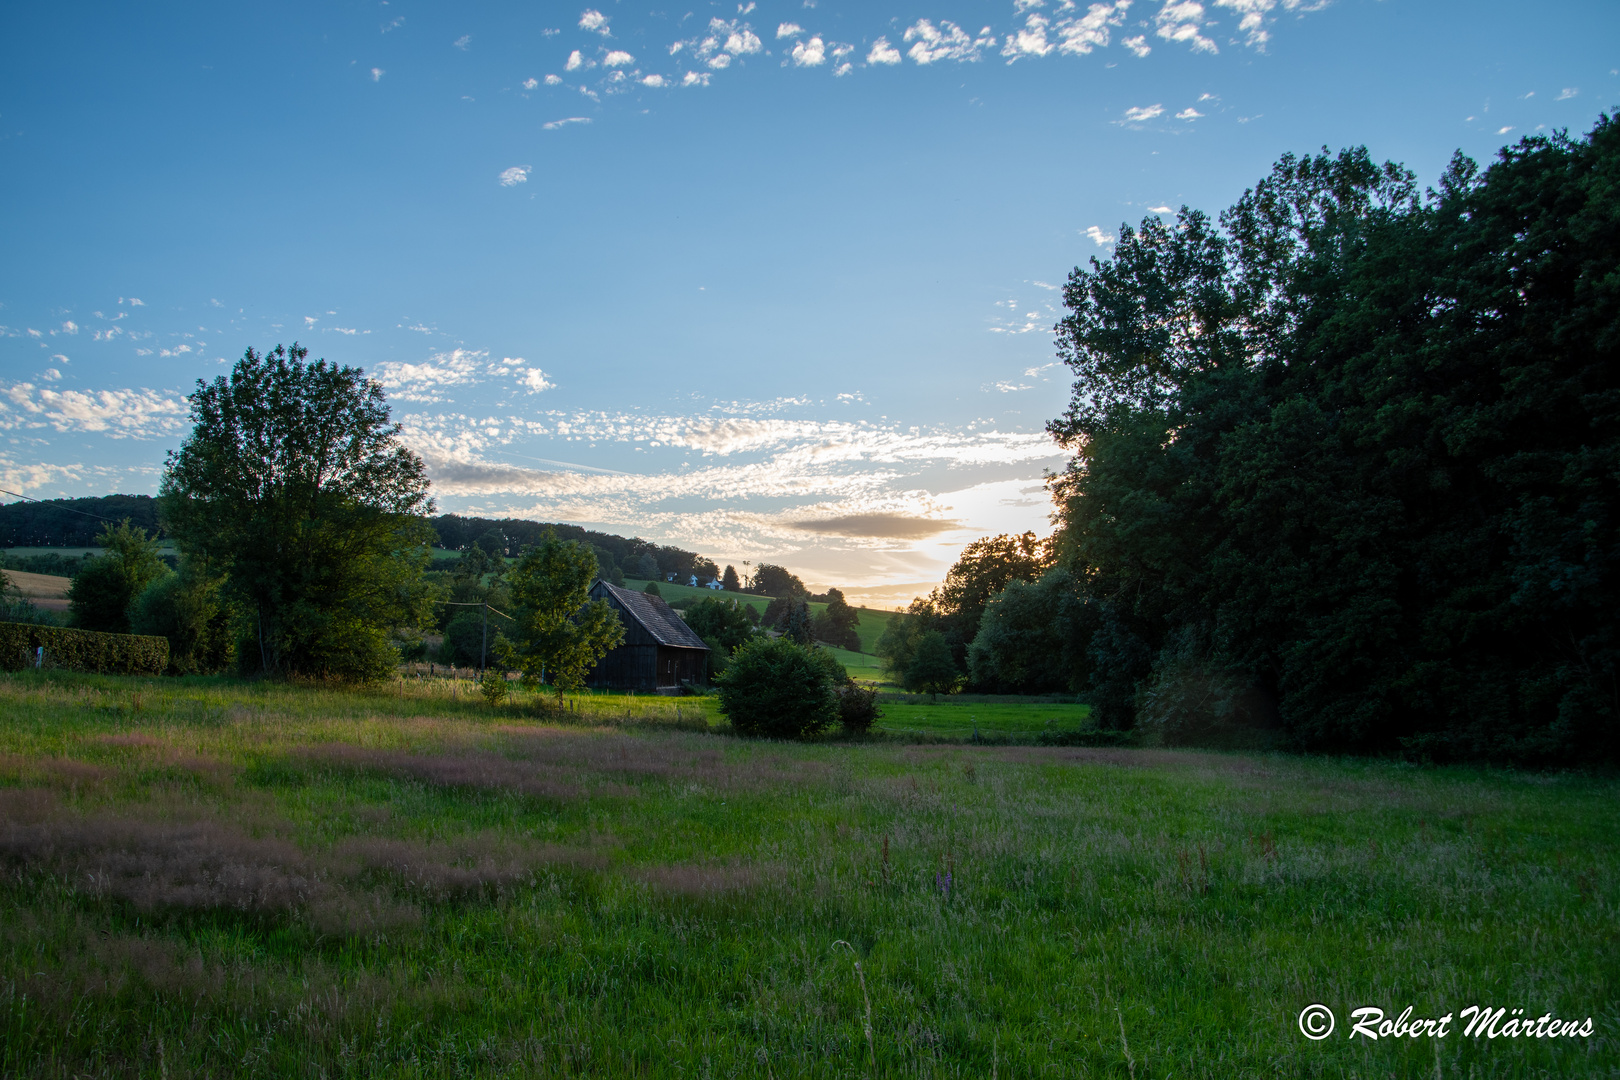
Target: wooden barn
{"x":660,"y":652}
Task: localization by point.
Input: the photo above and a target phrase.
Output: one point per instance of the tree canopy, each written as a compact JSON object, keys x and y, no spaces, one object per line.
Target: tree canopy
{"x":1351,"y":453}
{"x":294,"y":484}
{"x":103,"y":590}
{"x":561,"y":632}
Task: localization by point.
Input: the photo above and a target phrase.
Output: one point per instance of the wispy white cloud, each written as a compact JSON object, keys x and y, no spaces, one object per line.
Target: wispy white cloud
{"x":1567,"y":93}
{"x":530,"y":84}
{"x":1030,"y":41}
{"x":426,"y":381}
{"x":946,"y":42}
{"x":1095,"y":234}
{"x":595,"y":21}
{"x":1142,"y":112}
{"x":553,"y":80}
{"x":1078,"y":36}
{"x":1254,"y":16}
{"x":462,"y":42}
{"x":1138,"y":45}
{"x":377,"y":74}
{"x":575,"y":61}
{"x":1160,"y":210}
{"x":618,"y":58}
{"x":553,"y":125}
{"x":788,"y":29}
{"x":883,"y":53}
{"x":1181,"y":21}
{"x":809,"y":53}
{"x":124,"y":413}
{"x":1189,"y":113}
{"x":657,"y":82}
{"x":693,"y":78}
{"x":517,"y":174}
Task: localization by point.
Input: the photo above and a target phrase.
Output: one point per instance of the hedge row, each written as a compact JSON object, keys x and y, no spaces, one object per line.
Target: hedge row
{"x":82,"y":650}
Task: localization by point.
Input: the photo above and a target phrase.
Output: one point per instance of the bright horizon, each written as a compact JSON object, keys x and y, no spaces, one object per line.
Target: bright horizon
{"x":770,"y":281}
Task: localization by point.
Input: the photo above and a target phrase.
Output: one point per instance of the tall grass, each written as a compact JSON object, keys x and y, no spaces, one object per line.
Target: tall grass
{"x":207,"y":877}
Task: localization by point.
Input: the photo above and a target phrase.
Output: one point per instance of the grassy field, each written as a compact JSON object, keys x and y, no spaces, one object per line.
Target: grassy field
{"x":210,"y":878}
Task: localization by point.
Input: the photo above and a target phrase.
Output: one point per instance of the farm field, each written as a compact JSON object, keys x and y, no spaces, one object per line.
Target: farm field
{"x":210,"y":877}
{"x":47,"y":591}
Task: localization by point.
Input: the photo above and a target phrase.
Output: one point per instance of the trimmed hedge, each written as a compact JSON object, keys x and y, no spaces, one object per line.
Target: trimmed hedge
{"x":82,"y":650}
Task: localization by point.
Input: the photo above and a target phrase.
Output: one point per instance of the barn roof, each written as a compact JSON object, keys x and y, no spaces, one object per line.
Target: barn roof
{"x":655,"y":616}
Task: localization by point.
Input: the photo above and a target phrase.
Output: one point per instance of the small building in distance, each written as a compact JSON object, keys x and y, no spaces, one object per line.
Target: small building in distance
{"x":659,"y":653}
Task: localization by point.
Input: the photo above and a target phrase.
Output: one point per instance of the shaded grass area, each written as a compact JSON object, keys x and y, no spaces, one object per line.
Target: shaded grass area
{"x":204,"y":877}
{"x":956,"y":719}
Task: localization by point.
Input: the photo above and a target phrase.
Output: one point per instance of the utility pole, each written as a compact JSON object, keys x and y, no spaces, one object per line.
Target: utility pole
{"x":483,"y":651}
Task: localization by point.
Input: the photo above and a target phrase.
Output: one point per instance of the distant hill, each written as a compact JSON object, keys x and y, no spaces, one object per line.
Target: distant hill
{"x":54,"y":523}
{"x":67,"y":523}
{"x":636,"y":557}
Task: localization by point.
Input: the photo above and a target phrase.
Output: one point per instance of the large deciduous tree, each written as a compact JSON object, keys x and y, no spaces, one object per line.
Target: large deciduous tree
{"x":561,"y":631}
{"x":294,"y":483}
{"x":1348,"y":460}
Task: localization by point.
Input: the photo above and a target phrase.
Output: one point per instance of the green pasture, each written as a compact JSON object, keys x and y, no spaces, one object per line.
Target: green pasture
{"x":952,"y":719}
{"x":205,"y":877}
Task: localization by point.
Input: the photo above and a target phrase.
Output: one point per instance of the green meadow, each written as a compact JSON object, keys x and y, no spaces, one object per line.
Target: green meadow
{"x":206,"y":877}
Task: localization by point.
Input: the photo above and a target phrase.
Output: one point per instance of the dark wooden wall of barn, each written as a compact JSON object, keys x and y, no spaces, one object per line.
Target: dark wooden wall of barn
{"x":641,"y":663}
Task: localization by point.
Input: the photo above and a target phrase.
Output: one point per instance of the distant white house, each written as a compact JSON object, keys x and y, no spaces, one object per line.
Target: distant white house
{"x":696,"y":584}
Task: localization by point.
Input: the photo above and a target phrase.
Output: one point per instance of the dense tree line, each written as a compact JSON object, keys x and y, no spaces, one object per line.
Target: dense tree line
{"x":634,"y":557}
{"x":73,"y":522}
{"x":1347,"y":464}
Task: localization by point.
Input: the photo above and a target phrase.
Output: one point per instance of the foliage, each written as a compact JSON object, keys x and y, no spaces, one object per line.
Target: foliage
{"x":897,"y":645}
{"x":932,"y":669}
{"x":102,"y":592}
{"x":793,"y":619}
{"x":465,"y":642}
{"x":1033,"y":637}
{"x":632,"y":557}
{"x":984,"y":568}
{"x":189,"y":609}
{"x":1354,"y":453}
{"x":836,"y":624}
{"x":561,"y":632}
{"x":294,"y":483}
{"x":773,"y":580}
{"x":651,"y":589}
{"x":720,"y":621}
{"x":71,"y":522}
{"x":857,"y":707}
{"x":493,"y":686}
{"x":82,"y":650}
{"x":729,"y":581}
{"x":778,"y":689}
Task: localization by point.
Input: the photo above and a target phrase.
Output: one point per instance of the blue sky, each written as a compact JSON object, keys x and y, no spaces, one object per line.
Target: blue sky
{"x":772,"y":281}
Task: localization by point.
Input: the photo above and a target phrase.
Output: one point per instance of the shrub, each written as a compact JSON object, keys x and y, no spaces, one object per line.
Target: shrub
{"x":189,"y":609}
{"x":777,"y":689}
{"x":493,"y":686}
{"x":83,"y":650}
{"x":857,"y":708}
